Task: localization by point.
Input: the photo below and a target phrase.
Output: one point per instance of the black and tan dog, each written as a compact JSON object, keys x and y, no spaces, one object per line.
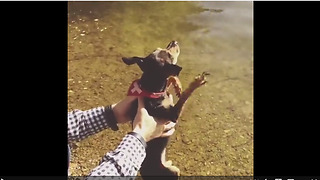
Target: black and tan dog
{"x":160,"y":72}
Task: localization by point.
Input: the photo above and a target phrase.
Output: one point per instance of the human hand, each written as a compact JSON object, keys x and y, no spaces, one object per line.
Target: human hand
{"x":149,"y":127}
{"x":122,"y":108}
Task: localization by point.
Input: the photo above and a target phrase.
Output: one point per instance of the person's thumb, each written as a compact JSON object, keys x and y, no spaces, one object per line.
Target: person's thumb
{"x":141,"y":108}
{"x":168,"y":133}
{"x":140,"y":102}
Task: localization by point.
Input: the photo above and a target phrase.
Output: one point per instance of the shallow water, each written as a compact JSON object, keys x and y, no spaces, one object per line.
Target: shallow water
{"x":214,"y":136}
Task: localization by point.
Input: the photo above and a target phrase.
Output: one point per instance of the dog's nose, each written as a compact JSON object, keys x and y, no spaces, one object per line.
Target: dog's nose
{"x":172,"y":44}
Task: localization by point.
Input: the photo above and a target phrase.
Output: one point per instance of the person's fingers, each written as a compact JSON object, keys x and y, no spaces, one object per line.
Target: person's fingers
{"x":168,"y":133}
{"x":169,"y":126}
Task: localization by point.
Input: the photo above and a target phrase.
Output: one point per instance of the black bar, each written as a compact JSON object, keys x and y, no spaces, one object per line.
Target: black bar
{"x":158,"y":178}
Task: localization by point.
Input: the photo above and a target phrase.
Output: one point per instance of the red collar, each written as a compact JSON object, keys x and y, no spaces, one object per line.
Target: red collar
{"x":136,"y":90}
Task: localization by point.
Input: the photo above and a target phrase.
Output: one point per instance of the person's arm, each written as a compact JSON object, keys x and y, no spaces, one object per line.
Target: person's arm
{"x":82,"y":124}
{"x":127,"y":158}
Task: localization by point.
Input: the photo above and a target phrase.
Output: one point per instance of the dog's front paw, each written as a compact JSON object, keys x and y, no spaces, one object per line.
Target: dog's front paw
{"x":199,"y":80}
{"x":174,"y":80}
{"x":178,"y":88}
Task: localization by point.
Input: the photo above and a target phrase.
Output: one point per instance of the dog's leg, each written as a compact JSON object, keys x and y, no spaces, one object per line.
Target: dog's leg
{"x":155,"y":163}
{"x":176,"y":112}
{"x":174,"y":80}
{"x":196,"y":83}
{"x":168,"y":164}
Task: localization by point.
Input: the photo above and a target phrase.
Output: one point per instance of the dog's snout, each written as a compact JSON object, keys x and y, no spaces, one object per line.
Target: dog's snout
{"x":172,"y":44}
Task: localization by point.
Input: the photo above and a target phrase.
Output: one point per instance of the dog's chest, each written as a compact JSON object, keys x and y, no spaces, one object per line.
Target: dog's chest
{"x":166,"y":102}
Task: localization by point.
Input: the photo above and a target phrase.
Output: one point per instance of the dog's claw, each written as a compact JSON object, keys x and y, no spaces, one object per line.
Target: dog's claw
{"x":199,"y":80}
{"x":205,"y":73}
{"x":204,"y":82}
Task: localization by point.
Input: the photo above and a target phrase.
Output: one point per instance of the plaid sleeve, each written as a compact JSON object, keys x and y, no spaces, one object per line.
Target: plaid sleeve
{"x":125,"y":160}
{"x":82,"y":124}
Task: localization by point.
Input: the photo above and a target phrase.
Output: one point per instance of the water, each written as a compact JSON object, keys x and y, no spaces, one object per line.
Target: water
{"x":215,"y":133}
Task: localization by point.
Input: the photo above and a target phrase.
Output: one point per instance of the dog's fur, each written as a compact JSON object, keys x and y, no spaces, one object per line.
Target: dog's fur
{"x":159,"y":73}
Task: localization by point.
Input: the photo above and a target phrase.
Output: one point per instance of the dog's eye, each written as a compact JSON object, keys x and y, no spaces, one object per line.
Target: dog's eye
{"x":170,"y":56}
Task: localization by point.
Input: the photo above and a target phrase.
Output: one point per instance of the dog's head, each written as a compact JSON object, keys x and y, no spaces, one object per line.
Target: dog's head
{"x":159,"y":61}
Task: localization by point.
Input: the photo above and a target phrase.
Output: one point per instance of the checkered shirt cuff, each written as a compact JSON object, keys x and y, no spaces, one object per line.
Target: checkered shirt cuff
{"x":82,"y":124}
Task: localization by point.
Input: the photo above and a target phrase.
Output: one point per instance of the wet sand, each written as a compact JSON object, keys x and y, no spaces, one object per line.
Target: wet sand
{"x":214,"y":136}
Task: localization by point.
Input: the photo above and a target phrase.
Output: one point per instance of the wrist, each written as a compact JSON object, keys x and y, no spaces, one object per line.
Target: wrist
{"x":110,"y":116}
{"x":115,"y":112}
{"x":123,"y":109}
{"x":139,"y":137}
{"x":140,"y":132}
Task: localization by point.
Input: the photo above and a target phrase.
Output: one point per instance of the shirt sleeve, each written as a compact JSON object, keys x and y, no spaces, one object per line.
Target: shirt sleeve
{"x":125,"y":160}
{"x":82,"y":124}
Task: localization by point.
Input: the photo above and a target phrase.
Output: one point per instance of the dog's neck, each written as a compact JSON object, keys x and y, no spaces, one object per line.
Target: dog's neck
{"x":153,"y":83}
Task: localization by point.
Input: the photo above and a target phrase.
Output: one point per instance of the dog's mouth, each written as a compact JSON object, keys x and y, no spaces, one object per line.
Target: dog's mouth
{"x":172,"y":44}
{"x":174,"y":50}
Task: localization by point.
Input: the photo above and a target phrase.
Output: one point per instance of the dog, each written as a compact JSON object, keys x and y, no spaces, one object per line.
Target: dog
{"x":160,"y":73}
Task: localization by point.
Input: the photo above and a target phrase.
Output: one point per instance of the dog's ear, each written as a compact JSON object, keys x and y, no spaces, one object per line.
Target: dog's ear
{"x":132,"y":60}
{"x":136,"y":60}
{"x":172,"y":69}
